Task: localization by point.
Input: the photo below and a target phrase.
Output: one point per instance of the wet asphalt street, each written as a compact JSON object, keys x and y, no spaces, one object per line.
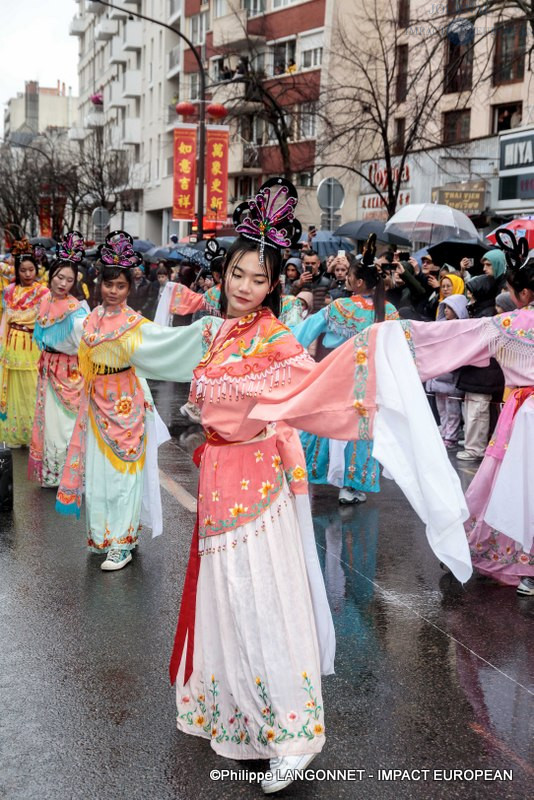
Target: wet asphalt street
{"x":429,"y":675}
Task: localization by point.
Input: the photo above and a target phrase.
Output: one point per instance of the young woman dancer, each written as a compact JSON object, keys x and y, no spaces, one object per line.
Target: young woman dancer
{"x":500,"y":527}
{"x":18,"y":353}
{"x":113,"y":449}
{"x":57,"y":333}
{"x":255,"y":631}
{"x":348,"y":465}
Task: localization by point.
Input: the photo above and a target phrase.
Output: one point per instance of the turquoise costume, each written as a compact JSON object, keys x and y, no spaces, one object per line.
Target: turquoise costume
{"x":339,"y":321}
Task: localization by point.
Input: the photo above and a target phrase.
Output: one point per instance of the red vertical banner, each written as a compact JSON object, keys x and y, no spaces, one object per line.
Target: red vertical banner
{"x":45,"y":216}
{"x":185,"y":165}
{"x":217,"y":172}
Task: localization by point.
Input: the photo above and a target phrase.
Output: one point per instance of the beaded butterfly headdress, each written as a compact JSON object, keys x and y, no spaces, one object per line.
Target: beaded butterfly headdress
{"x":117,"y":251}
{"x":515,"y":250}
{"x":268,"y":218}
{"x":71,"y":248}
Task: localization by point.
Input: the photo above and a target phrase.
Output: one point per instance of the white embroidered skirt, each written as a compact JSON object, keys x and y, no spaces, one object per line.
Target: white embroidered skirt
{"x":255,"y":691}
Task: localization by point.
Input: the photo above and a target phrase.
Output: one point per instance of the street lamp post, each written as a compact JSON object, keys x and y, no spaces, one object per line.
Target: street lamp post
{"x":201,"y":111}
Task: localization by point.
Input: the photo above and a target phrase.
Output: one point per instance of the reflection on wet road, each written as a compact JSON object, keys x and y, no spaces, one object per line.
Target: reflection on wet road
{"x":430,"y":675}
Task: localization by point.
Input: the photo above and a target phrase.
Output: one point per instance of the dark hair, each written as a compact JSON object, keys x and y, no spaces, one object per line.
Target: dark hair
{"x":272,"y":263}
{"x":308,"y":253}
{"x":523,"y":278}
{"x":163,"y":269}
{"x":18,"y":262}
{"x":57,"y":265}
{"x":374,"y":281}
{"x":109,"y":273}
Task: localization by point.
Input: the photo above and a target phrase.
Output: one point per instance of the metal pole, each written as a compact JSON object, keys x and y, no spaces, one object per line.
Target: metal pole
{"x":201,"y":112}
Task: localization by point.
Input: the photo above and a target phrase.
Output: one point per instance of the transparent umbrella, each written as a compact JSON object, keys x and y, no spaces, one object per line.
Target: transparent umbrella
{"x":431,"y":223}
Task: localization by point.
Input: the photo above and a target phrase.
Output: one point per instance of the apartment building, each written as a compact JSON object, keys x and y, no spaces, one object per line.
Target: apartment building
{"x":484,"y":85}
{"x":133,"y":72}
{"x":37,"y":109}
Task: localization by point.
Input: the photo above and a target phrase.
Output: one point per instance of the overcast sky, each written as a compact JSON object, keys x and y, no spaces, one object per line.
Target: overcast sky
{"x":36,"y":46}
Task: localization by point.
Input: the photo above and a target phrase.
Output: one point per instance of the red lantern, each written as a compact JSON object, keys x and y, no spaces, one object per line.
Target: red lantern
{"x":185,"y":109}
{"x":216,"y":110}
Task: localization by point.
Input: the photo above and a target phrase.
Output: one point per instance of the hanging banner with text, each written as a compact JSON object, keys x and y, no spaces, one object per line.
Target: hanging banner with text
{"x":185,"y":155}
{"x":217,"y":172}
{"x":45,"y":216}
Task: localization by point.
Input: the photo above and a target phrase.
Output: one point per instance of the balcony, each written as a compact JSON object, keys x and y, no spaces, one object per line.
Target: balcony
{"x":132,"y":130}
{"x":132,"y":83}
{"x":117,"y":13}
{"x":244,"y":158}
{"x":95,"y":118}
{"x":231,"y":32}
{"x":77,"y":26}
{"x":175,"y":11}
{"x":241,"y":96}
{"x":116,"y":138}
{"x":117,"y":99}
{"x":118,"y":56}
{"x":133,"y":36}
{"x":106,"y":29}
{"x":174,"y":60}
{"x":94,"y":8}
{"x":77,"y":134}
{"x":136,"y":177}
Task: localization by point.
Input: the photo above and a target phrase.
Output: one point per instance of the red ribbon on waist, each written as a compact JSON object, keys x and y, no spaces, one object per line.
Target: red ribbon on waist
{"x":186,"y":618}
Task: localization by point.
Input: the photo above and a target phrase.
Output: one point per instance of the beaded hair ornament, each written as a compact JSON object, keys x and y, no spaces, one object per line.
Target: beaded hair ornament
{"x":71,"y":248}
{"x":117,"y":251}
{"x":214,"y":254}
{"x":515,"y":250}
{"x":269,"y":217}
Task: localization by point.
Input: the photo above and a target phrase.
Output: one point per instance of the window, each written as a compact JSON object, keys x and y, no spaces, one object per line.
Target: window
{"x":455,"y":7}
{"x":507,"y":116}
{"x":253,"y":7}
{"x":456,"y":126}
{"x":219,"y":8}
{"x":199,"y":26}
{"x":401,"y":88}
{"x":312,"y":58}
{"x":307,"y":121}
{"x":303,"y":178}
{"x":459,"y":68}
{"x":509,"y":63}
{"x":282,"y":3}
{"x":404,"y":13}
{"x":175,"y":7}
{"x":400,"y":134}
{"x":194,"y":84}
{"x":282,"y":55}
{"x":271,"y":129}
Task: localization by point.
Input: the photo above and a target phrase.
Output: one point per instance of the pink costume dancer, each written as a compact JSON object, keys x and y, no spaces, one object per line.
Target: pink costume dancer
{"x":255,"y":633}
{"x":501,"y":523}
{"x":57,"y":332}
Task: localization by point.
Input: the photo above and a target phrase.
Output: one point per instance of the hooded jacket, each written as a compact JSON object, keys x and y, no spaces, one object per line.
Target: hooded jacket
{"x":447,"y":382}
{"x":498,"y":262}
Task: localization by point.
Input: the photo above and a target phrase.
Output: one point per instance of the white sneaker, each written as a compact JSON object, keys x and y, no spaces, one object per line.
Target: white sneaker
{"x":280,"y":768}
{"x":117,"y":558}
{"x":351,"y":496}
{"x":526,"y":587}
{"x":465,"y":455}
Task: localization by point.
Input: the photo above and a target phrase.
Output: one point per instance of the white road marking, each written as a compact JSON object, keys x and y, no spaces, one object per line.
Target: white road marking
{"x":180,"y":494}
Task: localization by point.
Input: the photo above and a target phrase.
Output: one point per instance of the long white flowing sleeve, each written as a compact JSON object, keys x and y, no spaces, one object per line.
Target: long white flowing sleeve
{"x":408,"y":445}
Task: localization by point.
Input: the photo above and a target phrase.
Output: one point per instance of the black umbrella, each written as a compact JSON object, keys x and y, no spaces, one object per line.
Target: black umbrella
{"x":142,"y":245}
{"x":44,"y":241}
{"x":360,"y":230}
{"x":451,"y":251}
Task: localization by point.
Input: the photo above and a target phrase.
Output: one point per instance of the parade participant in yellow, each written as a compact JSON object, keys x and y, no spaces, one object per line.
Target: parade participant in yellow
{"x":18,"y":353}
